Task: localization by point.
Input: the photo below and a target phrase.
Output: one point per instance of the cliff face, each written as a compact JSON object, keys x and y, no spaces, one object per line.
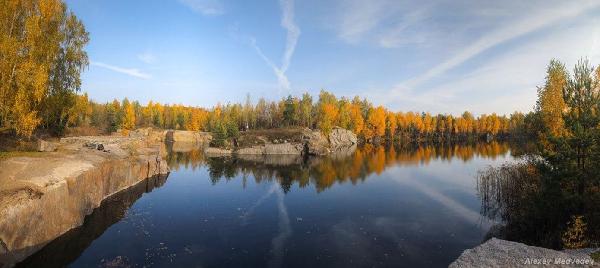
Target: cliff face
{"x":44,"y":196}
{"x":69,"y":246}
{"x":194,"y":137}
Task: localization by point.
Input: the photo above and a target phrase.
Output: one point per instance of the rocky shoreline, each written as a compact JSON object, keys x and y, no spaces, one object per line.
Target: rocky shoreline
{"x":301,"y":142}
{"x":501,"y":253}
{"x":46,"y":195}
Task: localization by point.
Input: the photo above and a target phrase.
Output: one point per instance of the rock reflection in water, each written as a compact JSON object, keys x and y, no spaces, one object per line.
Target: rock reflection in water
{"x":353,"y":164}
{"x":69,"y":246}
{"x":423,"y":214}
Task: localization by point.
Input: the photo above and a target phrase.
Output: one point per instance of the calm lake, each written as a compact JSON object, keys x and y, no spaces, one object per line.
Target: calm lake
{"x":375,"y":206}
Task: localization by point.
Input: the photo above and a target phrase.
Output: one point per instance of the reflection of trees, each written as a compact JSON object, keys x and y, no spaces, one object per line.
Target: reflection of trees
{"x":190,"y":159}
{"x":323,"y":172}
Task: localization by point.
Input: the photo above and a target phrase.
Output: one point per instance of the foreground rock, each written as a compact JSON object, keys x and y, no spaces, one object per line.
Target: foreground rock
{"x":502,"y":253}
{"x":43,"y":197}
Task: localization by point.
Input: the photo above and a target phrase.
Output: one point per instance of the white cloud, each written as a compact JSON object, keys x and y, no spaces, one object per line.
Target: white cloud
{"x":147,"y":57}
{"x":528,"y":24}
{"x":128,"y":71}
{"x":507,"y":82}
{"x":282,"y":80}
{"x":293,"y":33}
{"x":358,"y":17}
{"x":205,"y":7}
{"x":401,"y":33}
{"x":469,"y":215}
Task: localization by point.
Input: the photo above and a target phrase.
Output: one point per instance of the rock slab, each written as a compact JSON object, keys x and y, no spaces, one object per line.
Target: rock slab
{"x":45,"y":196}
{"x":501,"y":253}
{"x":187,"y":136}
{"x":284,"y":148}
{"x":340,"y":137}
{"x":316,"y":142}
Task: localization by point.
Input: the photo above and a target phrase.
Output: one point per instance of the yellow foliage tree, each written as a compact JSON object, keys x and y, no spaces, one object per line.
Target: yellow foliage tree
{"x":376,"y":121}
{"x":357,"y":122}
{"x":329,"y":115}
{"x":128,"y":116}
{"x":551,"y":104}
{"x":41,"y":57}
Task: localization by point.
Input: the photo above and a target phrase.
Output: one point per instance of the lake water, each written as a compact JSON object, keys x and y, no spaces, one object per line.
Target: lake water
{"x":376,"y":206}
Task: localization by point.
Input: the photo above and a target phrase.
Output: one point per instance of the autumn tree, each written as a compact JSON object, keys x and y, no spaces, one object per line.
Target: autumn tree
{"x":357,"y":122}
{"x":327,"y":117}
{"x":128,"y":119}
{"x":376,"y":122}
{"x":327,"y":111}
{"x":550,"y":103}
{"x":42,"y":56}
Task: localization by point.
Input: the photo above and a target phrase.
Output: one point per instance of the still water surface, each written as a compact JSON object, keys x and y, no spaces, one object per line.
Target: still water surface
{"x":376,"y":206}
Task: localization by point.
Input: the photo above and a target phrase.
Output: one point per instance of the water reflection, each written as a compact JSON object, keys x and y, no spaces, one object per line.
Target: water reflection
{"x":347,"y":166}
{"x":353,"y":208}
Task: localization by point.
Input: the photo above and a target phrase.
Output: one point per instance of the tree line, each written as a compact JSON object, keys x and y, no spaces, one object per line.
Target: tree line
{"x":328,"y":111}
{"x":42,"y":56}
{"x":552,"y":199}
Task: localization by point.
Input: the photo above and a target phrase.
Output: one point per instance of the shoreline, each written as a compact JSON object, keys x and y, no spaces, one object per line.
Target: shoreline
{"x":43,"y":197}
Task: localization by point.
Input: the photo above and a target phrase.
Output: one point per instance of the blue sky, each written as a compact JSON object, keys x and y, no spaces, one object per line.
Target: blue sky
{"x":435,"y":56}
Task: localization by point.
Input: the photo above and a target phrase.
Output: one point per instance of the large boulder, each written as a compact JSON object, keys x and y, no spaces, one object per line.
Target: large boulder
{"x":284,"y":148}
{"x":340,"y":137}
{"x":187,"y":136}
{"x":502,"y":253}
{"x":46,"y":146}
{"x":316,"y":142}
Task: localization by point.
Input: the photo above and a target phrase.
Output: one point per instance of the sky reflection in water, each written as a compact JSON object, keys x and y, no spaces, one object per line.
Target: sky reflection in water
{"x":375,"y":206}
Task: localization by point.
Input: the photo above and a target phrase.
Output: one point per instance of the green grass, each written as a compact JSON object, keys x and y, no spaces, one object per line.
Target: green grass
{"x":596,"y":256}
{"x":6,"y":155}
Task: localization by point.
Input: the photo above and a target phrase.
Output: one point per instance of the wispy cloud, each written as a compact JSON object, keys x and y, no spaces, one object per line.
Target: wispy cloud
{"x":128,"y":71}
{"x":399,"y":34}
{"x":358,"y":18}
{"x":293,"y":33}
{"x":147,"y":57}
{"x":205,"y":7}
{"x":527,"y":25}
{"x":469,"y":215}
{"x":285,"y":231}
{"x":506,"y":82}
